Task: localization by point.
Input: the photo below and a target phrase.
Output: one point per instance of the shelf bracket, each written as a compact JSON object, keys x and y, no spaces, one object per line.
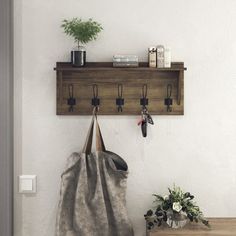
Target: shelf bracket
{"x":179,"y":86}
{"x":60,"y":86}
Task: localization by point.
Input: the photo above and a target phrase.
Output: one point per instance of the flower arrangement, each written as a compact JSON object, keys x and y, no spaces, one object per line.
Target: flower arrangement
{"x":176,"y":203}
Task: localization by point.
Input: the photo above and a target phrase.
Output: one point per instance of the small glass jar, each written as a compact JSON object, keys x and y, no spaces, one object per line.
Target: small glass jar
{"x":152,"y":56}
{"x":176,"y":220}
{"x":160,"y":56}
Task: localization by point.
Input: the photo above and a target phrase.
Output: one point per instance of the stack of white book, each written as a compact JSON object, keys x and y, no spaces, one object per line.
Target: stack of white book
{"x":125,"y":61}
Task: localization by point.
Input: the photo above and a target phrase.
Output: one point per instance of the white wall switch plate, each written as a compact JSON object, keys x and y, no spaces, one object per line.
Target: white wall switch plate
{"x":27,"y":184}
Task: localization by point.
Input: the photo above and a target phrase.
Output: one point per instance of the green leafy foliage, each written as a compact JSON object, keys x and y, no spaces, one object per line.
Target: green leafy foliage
{"x":177,"y":201}
{"x":81,"y":31}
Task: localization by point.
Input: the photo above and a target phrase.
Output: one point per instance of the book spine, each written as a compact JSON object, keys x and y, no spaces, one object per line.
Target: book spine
{"x":115,"y":64}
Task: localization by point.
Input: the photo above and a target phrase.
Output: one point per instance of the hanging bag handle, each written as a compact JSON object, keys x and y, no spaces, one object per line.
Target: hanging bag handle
{"x":89,"y":139}
{"x":100,"y":146}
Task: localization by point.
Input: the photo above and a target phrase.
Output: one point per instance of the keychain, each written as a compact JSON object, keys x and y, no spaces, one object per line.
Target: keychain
{"x":144,"y":120}
{"x":145,"y":116}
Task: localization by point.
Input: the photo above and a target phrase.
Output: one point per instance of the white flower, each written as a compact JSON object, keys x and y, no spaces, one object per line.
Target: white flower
{"x":177,"y":206}
{"x":166,"y":197}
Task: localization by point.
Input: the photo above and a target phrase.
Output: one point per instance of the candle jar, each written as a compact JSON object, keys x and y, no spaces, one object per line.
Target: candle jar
{"x":152,"y":57}
{"x":78,"y":57}
{"x":160,"y":56}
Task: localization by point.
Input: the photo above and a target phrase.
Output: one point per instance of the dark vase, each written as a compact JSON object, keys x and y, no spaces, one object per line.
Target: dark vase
{"x":78,"y":57}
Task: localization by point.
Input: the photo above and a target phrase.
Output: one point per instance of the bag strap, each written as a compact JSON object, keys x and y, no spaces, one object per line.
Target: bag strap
{"x":100,"y":146}
{"x":89,"y":139}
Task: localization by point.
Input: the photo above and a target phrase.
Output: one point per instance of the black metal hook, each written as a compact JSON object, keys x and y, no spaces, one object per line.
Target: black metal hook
{"x":144,"y":99}
{"x":169,"y":100}
{"x":120,"y":99}
{"x":95,"y":99}
{"x":71,"y":90}
{"x":144,"y":90}
{"x":71,"y":101}
{"x":120,"y":90}
{"x":169,"y":90}
{"x":95,"y":90}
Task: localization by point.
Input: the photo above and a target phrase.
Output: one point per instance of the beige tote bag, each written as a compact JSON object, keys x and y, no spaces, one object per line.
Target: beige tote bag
{"x":93,"y":192}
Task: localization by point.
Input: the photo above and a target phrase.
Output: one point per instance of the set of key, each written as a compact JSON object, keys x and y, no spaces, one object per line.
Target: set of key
{"x":144,"y":121}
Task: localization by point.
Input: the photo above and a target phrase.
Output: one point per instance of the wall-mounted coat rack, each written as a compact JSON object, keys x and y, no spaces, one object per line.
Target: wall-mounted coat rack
{"x":119,"y":91}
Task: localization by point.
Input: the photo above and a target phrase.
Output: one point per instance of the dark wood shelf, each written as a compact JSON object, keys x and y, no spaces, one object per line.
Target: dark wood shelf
{"x":107,"y":78}
{"x":94,"y":66}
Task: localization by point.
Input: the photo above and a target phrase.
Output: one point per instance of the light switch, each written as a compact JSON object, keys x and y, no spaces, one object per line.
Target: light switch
{"x":27,"y":184}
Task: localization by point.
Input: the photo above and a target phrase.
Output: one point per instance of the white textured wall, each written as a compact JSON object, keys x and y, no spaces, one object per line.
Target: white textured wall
{"x":196,"y":151}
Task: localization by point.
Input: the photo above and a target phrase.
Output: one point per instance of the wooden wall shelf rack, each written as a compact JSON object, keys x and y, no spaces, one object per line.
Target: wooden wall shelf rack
{"x":78,"y":83}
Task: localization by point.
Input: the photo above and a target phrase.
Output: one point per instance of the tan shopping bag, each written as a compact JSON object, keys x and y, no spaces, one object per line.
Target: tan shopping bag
{"x":93,"y":191}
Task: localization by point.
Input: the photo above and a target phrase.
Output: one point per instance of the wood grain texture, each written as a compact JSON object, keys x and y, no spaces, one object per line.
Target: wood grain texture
{"x":107,"y":79}
{"x":219,"y":227}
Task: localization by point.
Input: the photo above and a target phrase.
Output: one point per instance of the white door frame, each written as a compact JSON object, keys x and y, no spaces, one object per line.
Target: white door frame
{"x":6,"y":117}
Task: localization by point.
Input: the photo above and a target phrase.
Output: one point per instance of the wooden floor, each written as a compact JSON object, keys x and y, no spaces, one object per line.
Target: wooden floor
{"x":219,"y":227}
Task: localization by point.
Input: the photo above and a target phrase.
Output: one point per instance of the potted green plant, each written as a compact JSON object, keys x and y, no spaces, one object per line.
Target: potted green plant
{"x":175,"y":209}
{"x":82,"y":32}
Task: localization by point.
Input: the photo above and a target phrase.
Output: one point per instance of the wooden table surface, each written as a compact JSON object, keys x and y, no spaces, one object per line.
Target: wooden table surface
{"x":219,"y":227}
